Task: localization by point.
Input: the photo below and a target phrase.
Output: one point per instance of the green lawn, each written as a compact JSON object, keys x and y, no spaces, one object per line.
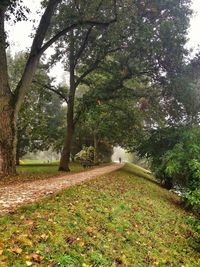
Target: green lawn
{"x":119,"y":219}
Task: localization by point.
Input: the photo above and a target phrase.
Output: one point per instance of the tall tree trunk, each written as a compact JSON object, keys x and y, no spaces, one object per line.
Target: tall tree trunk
{"x":65,"y":156}
{"x":7,"y":140}
{"x":7,"y":117}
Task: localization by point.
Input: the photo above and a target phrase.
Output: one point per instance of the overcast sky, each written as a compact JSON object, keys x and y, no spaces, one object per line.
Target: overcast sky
{"x":194,"y":36}
{"x":19,"y":35}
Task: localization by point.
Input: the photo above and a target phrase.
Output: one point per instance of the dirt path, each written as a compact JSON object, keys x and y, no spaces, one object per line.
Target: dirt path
{"x":15,"y":196}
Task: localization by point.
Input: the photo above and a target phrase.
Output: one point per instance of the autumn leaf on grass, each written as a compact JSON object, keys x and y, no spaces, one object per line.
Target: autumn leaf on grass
{"x":70,"y":239}
{"x":44,"y":237}
{"x":29,"y":263}
{"x":36,"y":257}
{"x":81,"y":243}
{"x":16,"y":250}
{"x":1,"y":251}
{"x":86,"y":265}
{"x":29,"y":222}
{"x":4,"y":261}
{"x":24,"y":240}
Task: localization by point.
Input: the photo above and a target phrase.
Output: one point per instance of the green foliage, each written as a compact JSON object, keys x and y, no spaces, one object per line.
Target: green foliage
{"x":174,"y":154}
{"x":153,"y":144}
{"x":183,"y":160}
{"x":16,"y":10}
{"x":192,"y":199}
{"x":195,"y":223}
{"x":86,"y":154}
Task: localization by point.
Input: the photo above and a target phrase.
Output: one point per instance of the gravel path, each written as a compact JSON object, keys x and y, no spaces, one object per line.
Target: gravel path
{"x":14,"y":196}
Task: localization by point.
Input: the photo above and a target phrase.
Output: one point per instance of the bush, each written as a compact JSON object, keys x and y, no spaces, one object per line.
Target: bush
{"x":86,"y":154}
{"x":174,"y":155}
{"x":182,"y":163}
{"x":192,"y":199}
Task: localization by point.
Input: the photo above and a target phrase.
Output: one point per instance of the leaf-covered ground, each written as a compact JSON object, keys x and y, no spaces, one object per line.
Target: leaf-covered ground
{"x":119,"y":219}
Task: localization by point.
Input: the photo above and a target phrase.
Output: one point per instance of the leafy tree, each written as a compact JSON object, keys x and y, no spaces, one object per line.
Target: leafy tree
{"x":41,"y":121}
{"x":135,"y":41}
{"x":76,"y":50}
{"x":162,"y":138}
{"x":11,"y":101}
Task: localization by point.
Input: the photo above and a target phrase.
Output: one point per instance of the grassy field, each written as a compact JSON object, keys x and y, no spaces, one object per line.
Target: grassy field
{"x":34,"y":170}
{"x":119,"y":219}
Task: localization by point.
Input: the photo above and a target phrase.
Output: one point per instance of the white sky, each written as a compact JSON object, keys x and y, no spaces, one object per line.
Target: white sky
{"x":194,"y":36}
{"x":19,"y":34}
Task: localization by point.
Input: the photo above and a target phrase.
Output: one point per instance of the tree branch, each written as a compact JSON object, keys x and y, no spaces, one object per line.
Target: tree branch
{"x":71,"y":27}
{"x":79,"y":53}
{"x":53,"y":89}
{"x":89,"y":70}
{"x":34,"y":55}
{"x":94,"y":66}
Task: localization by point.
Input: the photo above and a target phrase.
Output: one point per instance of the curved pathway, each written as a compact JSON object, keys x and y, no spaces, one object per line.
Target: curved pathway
{"x":15,"y":196}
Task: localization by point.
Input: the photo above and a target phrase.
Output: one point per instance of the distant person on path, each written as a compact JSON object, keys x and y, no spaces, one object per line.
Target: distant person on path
{"x":120,"y":160}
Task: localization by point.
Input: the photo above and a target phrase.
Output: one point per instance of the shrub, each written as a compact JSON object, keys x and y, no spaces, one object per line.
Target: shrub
{"x":192,"y":199}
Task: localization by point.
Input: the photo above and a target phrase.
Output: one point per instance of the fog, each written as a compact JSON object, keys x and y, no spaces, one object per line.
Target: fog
{"x":121,"y":153}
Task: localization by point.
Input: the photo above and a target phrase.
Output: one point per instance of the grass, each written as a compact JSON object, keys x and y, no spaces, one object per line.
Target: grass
{"x":119,"y":219}
{"x":34,"y":170}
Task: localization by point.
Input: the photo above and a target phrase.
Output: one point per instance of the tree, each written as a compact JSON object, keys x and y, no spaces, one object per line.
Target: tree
{"x":76,"y":50}
{"x":41,"y":121}
{"x":127,"y":38}
{"x":11,"y":101}
{"x":172,"y":146}
{"x":149,"y":28}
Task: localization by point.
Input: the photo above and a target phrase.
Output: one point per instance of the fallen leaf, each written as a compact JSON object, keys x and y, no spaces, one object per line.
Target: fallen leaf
{"x":36,"y":257}
{"x":44,"y":237}
{"x":17,"y":250}
{"x":81,"y":244}
{"x":29,"y":263}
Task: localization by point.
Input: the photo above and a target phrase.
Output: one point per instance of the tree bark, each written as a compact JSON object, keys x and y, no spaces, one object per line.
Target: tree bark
{"x":65,"y":156}
{"x":7,"y":118}
{"x":7,"y":140}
